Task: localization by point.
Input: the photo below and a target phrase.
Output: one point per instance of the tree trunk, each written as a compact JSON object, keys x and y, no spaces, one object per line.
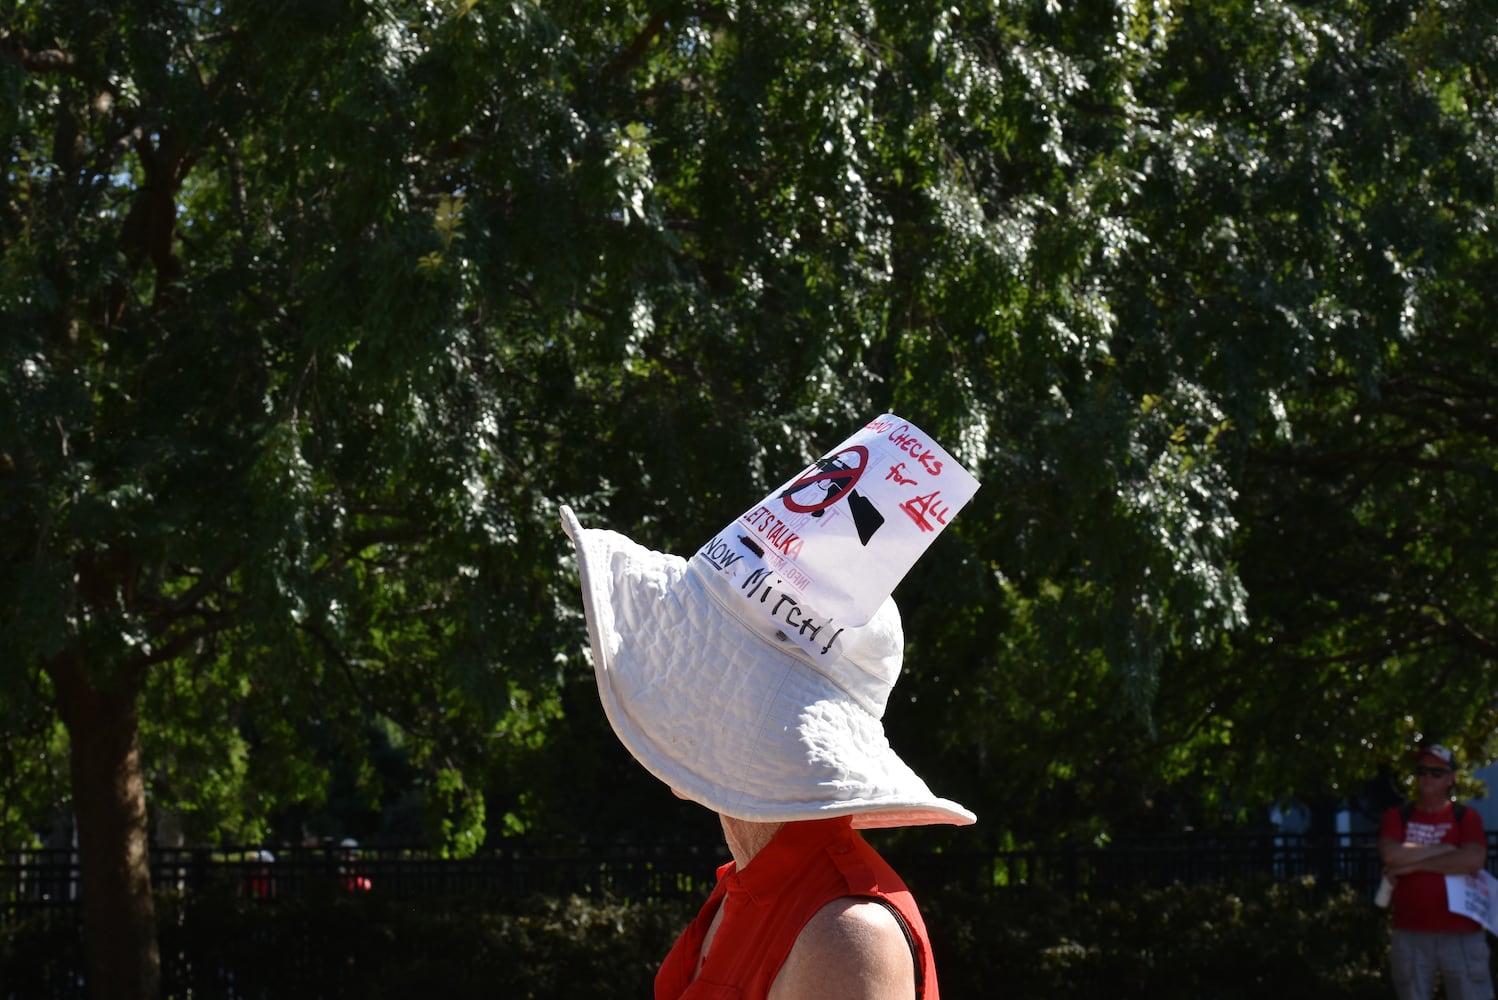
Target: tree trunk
{"x":109,"y":795}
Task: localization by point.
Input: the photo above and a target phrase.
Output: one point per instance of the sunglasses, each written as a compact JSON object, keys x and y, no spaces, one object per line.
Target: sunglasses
{"x":1433,"y":772}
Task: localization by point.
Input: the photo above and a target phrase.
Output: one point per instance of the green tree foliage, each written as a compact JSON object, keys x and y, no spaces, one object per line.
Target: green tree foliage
{"x":1243,"y":517}
{"x":268,"y":467}
{"x":314,"y":311}
{"x":1345,"y":181}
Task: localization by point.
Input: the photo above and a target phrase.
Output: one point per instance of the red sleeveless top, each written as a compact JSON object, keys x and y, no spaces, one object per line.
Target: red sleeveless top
{"x":808,"y":865}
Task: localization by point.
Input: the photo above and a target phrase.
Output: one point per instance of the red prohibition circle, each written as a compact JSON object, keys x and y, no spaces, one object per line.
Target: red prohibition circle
{"x":838,"y":480}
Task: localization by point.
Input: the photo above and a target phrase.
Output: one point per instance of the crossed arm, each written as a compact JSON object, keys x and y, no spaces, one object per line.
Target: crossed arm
{"x":1442,"y":859}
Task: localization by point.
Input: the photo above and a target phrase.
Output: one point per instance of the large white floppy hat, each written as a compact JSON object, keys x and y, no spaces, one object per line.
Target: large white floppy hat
{"x":752,"y":677}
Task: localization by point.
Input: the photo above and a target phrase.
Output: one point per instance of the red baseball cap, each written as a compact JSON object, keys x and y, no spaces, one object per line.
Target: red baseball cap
{"x":1439,"y":752}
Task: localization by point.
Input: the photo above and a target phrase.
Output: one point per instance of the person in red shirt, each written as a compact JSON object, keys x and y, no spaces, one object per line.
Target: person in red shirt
{"x":752,"y":678}
{"x":1420,"y":844}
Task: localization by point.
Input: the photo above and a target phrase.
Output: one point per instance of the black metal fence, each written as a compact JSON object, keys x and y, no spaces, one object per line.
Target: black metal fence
{"x":49,"y":879}
{"x":317,"y":944}
{"x":1344,"y":859}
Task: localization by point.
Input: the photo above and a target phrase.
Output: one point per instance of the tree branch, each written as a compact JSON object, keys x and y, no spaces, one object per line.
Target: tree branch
{"x":635,"y":51}
{"x":40,"y":60}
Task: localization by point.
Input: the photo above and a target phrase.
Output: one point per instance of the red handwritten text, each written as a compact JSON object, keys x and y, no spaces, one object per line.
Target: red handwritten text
{"x":924,"y":510}
{"x":896,"y":472}
{"x":916,"y":449}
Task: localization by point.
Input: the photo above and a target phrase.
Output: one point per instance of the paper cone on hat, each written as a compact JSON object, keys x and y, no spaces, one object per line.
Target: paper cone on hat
{"x":752,"y":677}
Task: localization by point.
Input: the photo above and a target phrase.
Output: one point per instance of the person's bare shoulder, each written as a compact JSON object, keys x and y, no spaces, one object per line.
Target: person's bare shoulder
{"x":853,"y":949}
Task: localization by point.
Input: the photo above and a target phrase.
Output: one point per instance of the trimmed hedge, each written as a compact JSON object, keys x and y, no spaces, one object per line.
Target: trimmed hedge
{"x":1281,"y":940}
{"x":530,"y":949}
{"x":1284,"y":940}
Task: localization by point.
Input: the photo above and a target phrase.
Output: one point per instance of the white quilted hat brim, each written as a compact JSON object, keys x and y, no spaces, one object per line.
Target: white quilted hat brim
{"x":724,"y":716}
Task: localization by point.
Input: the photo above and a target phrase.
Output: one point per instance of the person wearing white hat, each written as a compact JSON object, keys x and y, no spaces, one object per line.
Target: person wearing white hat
{"x":751,"y":678}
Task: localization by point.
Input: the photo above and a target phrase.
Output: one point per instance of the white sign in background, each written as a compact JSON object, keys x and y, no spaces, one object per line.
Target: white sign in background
{"x":1474,"y":896}
{"x":848,"y":528}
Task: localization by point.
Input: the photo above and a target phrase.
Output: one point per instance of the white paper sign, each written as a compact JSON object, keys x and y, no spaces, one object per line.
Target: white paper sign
{"x":1474,"y":896}
{"x":844,"y":531}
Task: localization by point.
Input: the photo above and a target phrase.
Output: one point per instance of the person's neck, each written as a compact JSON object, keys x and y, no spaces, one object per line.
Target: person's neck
{"x":1433,"y":803}
{"x":746,"y":839}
